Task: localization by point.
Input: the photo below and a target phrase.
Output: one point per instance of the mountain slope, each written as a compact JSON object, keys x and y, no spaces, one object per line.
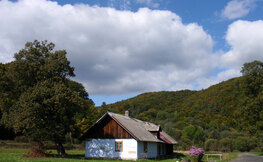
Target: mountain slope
{"x":217,"y":112}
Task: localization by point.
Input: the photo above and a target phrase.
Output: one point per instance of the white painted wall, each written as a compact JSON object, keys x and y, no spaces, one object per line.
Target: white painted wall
{"x":105,"y":148}
{"x":152,"y":150}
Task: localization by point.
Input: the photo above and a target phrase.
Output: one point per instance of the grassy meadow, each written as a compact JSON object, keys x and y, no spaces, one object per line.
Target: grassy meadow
{"x":16,"y":154}
{"x":13,"y":154}
{"x":12,"y":151}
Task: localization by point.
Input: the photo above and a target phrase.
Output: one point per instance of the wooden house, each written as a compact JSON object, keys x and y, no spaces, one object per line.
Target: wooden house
{"x":123,"y":137}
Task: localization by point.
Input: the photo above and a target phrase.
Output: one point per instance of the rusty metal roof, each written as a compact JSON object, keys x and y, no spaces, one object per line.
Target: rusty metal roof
{"x":168,"y":139}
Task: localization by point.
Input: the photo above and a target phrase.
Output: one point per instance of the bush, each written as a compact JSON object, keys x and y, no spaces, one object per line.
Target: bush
{"x":21,"y":139}
{"x":226,"y":134}
{"x":194,"y":133}
{"x":185,"y":143}
{"x":246,"y":143}
{"x":226,"y":145}
{"x":241,"y":144}
{"x":212,"y":133}
{"x":196,"y":153}
{"x":211,"y":145}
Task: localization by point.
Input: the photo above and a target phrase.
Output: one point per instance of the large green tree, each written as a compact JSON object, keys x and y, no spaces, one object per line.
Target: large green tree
{"x":37,"y":96}
{"x":253,"y":74}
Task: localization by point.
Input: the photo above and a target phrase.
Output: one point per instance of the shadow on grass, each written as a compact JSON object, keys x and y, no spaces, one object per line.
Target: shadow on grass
{"x":68,"y":156}
{"x":175,"y":155}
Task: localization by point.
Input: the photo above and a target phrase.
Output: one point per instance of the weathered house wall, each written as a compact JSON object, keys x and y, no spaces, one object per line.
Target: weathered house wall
{"x":151,"y":150}
{"x":105,"y":148}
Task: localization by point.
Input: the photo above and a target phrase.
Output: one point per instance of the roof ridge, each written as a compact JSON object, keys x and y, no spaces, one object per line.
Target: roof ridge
{"x":131,"y":118}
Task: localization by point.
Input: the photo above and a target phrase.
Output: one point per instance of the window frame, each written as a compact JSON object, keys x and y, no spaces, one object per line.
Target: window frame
{"x":118,"y":146}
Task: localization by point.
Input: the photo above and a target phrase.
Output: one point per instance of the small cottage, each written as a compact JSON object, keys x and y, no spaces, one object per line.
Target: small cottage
{"x":123,"y":137}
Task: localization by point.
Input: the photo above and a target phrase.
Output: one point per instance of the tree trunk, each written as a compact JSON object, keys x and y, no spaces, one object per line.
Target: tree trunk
{"x":60,"y":149}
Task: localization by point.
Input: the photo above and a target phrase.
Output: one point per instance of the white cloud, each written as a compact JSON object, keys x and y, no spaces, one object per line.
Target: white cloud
{"x":149,"y":3}
{"x":245,"y":39}
{"x":237,"y":8}
{"x":121,"y":4}
{"x":113,"y":52}
{"x":221,"y":76}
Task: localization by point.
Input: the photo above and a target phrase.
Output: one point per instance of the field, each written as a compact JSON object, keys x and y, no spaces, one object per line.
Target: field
{"x":11,"y":155}
{"x":11,"y":151}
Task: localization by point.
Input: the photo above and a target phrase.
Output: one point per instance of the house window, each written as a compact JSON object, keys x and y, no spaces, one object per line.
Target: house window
{"x":118,"y":146}
{"x":145,"y":147}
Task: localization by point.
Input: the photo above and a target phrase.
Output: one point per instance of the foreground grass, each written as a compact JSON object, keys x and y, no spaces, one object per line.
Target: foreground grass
{"x":13,"y":155}
{"x":230,"y":156}
{"x":227,"y":157}
{"x":258,"y":153}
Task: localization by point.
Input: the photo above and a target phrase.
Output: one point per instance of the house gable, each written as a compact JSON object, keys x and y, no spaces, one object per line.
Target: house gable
{"x":107,"y":128}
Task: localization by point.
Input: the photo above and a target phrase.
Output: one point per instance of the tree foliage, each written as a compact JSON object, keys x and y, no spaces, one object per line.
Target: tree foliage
{"x":37,"y":97}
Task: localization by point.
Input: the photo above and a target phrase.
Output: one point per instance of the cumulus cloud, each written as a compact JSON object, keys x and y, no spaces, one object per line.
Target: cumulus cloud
{"x":237,"y":8}
{"x":219,"y":77}
{"x":245,"y":39}
{"x":149,"y":3}
{"x":121,"y":4}
{"x":113,"y":51}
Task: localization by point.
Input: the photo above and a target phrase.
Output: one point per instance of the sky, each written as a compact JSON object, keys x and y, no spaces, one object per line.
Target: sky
{"x":121,"y":48}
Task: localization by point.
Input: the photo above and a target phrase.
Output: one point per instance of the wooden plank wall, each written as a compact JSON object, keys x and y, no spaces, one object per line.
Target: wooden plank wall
{"x":108,"y":128}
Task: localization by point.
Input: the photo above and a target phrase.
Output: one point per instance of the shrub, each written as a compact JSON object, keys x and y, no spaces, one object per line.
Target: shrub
{"x":196,"y":153}
{"x":211,"y":145}
{"x":246,"y":143}
{"x":21,"y":139}
{"x":226,"y":145}
{"x":194,"y":133}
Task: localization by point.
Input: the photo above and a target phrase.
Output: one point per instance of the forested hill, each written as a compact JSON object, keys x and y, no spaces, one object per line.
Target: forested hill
{"x":221,"y":103}
{"x":157,"y":100}
{"x":229,"y":111}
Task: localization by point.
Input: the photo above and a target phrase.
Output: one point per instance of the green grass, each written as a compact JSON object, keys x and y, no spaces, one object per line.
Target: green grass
{"x":13,"y":155}
{"x":231,"y":156}
{"x":257,"y":153}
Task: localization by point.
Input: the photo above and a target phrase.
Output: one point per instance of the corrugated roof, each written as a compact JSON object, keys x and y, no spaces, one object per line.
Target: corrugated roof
{"x":140,"y":129}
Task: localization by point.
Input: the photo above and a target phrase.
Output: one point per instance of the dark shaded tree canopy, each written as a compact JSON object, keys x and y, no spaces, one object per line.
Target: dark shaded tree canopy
{"x":37,"y":96}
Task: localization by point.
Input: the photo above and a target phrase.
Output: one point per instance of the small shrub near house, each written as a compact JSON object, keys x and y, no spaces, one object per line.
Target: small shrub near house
{"x":196,"y":154}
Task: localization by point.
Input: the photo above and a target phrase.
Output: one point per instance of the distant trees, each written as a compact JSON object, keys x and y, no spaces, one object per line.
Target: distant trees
{"x":37,"y":97}
{"x":194,"y":133}
{"x":211,"y":145}
{"x":226,"y":145}
{"x":253,"y":107}
{"x":253,"y":74}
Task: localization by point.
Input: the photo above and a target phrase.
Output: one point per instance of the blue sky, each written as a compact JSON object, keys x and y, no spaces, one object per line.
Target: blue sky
{"x":121,"y":48}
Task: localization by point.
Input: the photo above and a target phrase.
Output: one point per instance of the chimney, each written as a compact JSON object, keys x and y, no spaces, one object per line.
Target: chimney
{"x":126,"y":113}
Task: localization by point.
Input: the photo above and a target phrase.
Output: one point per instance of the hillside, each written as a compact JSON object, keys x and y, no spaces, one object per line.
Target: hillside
{"x":215,"y":118}
{"x":215,"y":103}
